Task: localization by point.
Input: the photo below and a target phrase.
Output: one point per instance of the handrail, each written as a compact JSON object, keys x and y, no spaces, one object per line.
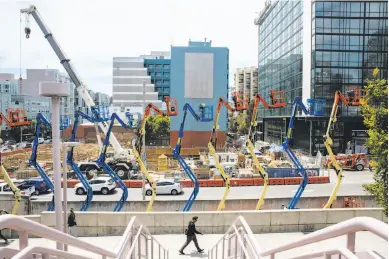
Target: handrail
{"x":28,"y":252}
{"x":348,"y":227}
{"x":336,"y":251}
{"x":129,"y":240}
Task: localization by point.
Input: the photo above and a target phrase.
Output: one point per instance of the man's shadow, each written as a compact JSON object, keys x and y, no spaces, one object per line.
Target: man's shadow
{"x":2,"y":244}
{"x":196,"y":254}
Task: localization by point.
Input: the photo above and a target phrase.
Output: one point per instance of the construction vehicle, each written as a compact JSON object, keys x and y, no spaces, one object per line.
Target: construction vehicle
{"x":120,"y":155}
{"x":277,"y":101}
{"x":356,"y":162}
{"x":354,"y":98}
{"x":316,"y":108}
{"x":101,"y":162}
{"x":40,"y":121}
{"x":16,"y":117}
{"x":171,"y":105}
{"x":239,"y":105}
{"x":205,"y":114}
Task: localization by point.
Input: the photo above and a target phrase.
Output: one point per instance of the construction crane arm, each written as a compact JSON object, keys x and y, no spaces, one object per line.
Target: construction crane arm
{"x":65,"y":61}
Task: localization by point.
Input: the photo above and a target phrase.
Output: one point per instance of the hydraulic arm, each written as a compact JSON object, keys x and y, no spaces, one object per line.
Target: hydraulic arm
{"x":65,"y":61}
{"x":137,"y":147}
{"x":101,"y":162}
{"x":15,"y":118}
{"x":316,"y":108}
{"x":354,"y":98}
{"x":276,"y":103}
{"x":205,"y":114}
{"x":40,"y":119}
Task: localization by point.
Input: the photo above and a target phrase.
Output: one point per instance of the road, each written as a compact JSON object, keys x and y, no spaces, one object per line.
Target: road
{"x":351,"y":185}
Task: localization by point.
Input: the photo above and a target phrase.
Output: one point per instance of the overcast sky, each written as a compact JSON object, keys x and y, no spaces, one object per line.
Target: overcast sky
{"x":91,"y":32}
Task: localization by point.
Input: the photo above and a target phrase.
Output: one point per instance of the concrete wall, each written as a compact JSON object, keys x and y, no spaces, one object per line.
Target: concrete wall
{"x":36,"y":207}
{"x":276,"y":221}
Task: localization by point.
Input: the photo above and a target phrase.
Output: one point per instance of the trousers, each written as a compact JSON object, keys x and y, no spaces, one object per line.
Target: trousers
{"x":188,"y":240}
{"x":2,"y":237}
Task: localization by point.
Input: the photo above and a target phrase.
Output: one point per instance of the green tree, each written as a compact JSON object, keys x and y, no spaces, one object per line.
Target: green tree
{"x":375,"y":114}
{"x":156,"y":127}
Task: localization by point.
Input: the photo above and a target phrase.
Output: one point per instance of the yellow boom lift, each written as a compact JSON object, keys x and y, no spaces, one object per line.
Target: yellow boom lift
{"x":277,"y":101}
{"x":16,"y":117}
{"x":354,"y":98}
{"x":240,"y":105}
{"x":171,"y":105}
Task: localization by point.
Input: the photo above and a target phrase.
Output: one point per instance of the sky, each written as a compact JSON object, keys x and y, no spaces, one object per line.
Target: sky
{"x":91,"y":32}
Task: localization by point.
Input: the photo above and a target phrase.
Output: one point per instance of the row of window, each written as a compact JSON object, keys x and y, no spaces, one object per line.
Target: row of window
{"x":165,"y":66}
{"x":350,"y":9}
{"x":349,"y":59}
{"x":340,"y":42}
{"x":163,"y":90}
{"x":158,"y":74}
{"x":350,"y":26}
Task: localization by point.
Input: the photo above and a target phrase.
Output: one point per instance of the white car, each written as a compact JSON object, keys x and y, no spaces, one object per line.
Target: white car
{"x":166,"y":186}
{"x":104,"y":185}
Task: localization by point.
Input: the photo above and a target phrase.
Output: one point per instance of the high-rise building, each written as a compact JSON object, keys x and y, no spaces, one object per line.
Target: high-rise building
{"x":311,"y":49}
{"x":102,"y":99}
{"x":246,"y":81}
{"x":199,"y":74}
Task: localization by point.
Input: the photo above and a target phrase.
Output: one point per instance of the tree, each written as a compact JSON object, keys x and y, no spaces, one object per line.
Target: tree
{"x":375,"y":115}
{"x":157,"y":127}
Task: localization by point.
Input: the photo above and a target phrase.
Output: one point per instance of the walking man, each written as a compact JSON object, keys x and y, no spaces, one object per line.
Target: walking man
{"x":191,"y":236}
{"x":72,"y":224}
{"x":3,"y":212}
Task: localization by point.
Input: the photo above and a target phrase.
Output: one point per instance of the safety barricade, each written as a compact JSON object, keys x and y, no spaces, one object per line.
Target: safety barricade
{"x":70,"y":183}
{"x":246,"y":182}
{"x":292,"y":181}
{"x":203,"y":183}
{"x":258,"y":182}
{"x":135,"y":184}
{"x":277,"y":181}
{"x":234,"y":182}
{"x":127,"y":183}
{"x":323,"y":179}
{"x":216,"y":183}
{"x":186,"y":183}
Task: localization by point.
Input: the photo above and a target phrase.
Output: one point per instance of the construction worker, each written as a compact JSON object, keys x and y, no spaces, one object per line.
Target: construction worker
{"x":3,"y":212}
{"x":190,"y":233}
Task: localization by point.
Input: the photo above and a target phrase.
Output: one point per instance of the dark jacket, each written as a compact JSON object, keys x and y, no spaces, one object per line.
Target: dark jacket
{"x":191,"y":230}
{"x":72,"y":220}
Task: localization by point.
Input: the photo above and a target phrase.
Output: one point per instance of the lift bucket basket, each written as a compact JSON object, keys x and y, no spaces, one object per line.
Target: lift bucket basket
{"x":356,"y":95}
{"x":100,"y":113}
{"x":134,"y":120}
{"x":241,"y":101}
{"x":17,"y":117}
{"x":171,"y":105}
{"x":317,"y":107}
{"x":206,"y":113}
{"x":277,"y":98}
{"x":64,"y":122}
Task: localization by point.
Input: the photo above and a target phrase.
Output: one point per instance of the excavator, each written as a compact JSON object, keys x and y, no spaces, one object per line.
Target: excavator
{"x":16,"y":117}
{"x":239,"y":105}
{"x":205,"y":114}
{"x":171,"y":105}
{"x":316,"y":108}
{"x":277,"y":101}
{"x":354,"y":98}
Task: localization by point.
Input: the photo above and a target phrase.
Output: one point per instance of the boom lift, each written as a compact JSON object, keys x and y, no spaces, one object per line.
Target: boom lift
{"x":239,"y":106}
{"x":16,"y":117}
{"x":277,"y":101}
{"x":205,"y":114}
{"x":40,"y":119}
{"x":65,"y":61}
{"x":354,"y":98}
{"x":101,"y":162}
{"x":316,"y":108}
{"x":138,"y":144}
{"x":134,"y":123}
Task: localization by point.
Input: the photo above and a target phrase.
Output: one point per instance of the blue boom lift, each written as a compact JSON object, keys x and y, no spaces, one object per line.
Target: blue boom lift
{"x":316,"y":108}
{"x":205,"y":115}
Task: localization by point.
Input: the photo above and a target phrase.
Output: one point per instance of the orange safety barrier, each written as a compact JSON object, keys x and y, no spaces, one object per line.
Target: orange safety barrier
{"x":292,"y":181}
{"x":218,"y":183}
{"x":277,"y":181}
{"x":186,"y":183}
{"x":258,"y":182}
{"x":136,"y":184}
{"x":127,"y":183}
{"x":234,"y":182}
{"x":203,"y":183}
{"x":246,"y":182}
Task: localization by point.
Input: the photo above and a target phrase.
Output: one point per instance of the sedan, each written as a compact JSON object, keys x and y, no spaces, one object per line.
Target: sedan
{"x":104,"y":185}
{"x":165,"y":187}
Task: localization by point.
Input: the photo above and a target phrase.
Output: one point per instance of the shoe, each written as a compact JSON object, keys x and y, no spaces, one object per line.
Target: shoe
{"x":181,"y":252}
{"x":6,"y":241}
{"x":201,"y":250}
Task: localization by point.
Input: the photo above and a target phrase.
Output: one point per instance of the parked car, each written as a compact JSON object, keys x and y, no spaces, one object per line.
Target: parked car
{"x":38,"y":183}
{"x":5,"y":149}
{"x":47,"y":141}
{"x":26,"y":189}
{"x":166,"y":186}
{"x":104,"y":185}
{"x":23,"y":145}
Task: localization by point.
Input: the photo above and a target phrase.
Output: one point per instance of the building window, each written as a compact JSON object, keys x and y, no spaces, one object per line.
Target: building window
{"x":166,"y":66}
{"x":158,"y":66}
{"x":158,"y":74}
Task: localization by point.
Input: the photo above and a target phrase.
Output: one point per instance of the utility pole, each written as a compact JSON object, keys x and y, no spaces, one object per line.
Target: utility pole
{"x":144,"y":144}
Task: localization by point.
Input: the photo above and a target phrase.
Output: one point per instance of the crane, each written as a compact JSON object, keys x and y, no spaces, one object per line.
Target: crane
{"x":316,"y":108}
{"x":82,"y":89}
{"x":239,"y":105}
{"x":354,"y":98}
{"x":16,"y":117}
{"x":205,"y":114}
{"x":277,"y":101}
{"x":171,"y":105}
{"x":102,"y":163}
{"x":41,"y":119}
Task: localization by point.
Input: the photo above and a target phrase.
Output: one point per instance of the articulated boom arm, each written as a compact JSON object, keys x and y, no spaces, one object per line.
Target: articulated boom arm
{"x":215,"y":127}
{"x":33,"y":159}
{"x":205,"y":115}
{"x":65,"y":61}
{"x":354,"y":98}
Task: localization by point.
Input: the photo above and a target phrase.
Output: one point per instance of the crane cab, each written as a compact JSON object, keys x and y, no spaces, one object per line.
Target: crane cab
{"x":240,"y":101}
{"x":64,"y":122}
{"x":206,"y":113}
{"x":277,"y":99}
{"x":17,"y":117}
{"x":355,"y":96}
{"x":171,"y":106}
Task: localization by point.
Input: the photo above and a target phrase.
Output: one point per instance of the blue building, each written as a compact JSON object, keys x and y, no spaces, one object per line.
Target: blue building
{"x":199,"y":74}
{"x":159,"y":71}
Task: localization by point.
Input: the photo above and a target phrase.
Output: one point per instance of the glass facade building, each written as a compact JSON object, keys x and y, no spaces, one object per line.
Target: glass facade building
{"x":159,"y":71}
{"x":340,"y":42}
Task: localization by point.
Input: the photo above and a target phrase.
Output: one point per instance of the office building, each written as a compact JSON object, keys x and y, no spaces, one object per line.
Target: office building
{"x":199,"y":74}
{"x":102,"y":99}
{"x":246,"y":81}
{"x":311,"y":49}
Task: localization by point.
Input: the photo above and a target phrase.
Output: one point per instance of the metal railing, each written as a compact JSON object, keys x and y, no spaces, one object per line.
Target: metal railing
{"x":237,"y":242}
{"x":137,"y":242}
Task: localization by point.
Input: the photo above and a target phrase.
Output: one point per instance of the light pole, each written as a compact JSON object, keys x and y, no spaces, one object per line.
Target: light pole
{"x":144,"y":144}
